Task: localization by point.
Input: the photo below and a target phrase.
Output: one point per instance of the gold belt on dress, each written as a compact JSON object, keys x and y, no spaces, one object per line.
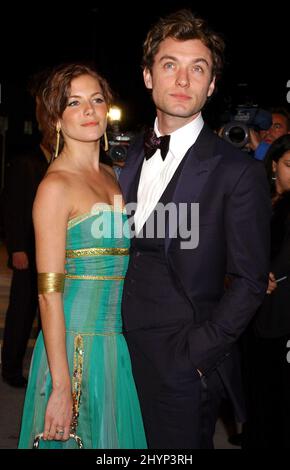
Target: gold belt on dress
{"x":85,"y":252}
{"x":94,"y":278}
{"x":111,"y":333}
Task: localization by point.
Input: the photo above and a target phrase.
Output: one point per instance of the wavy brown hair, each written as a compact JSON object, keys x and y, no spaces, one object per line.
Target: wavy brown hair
{"x":183,"y":25}
{"x":56,"y":92}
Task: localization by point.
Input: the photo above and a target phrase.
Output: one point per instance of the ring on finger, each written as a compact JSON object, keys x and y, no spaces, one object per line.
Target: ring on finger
{"x":60,"y":432}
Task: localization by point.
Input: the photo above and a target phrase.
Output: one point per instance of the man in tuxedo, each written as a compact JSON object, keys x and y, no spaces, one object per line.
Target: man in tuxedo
{"x":179,"y":320}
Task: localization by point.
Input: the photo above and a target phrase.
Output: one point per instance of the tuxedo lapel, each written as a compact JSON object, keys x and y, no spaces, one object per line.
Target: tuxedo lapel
{"x":130,"y":172}
{"x":200,"y":162}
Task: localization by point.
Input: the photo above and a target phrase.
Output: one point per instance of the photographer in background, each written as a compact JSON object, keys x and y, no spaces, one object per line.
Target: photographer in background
{"x":259,"y":142}
{"x":118,"y":149}
{"x":242,"y":122}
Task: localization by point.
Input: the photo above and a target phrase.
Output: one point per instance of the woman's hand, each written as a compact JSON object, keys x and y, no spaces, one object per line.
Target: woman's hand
{"x":58,"y":416}
{"x":272,"y":283}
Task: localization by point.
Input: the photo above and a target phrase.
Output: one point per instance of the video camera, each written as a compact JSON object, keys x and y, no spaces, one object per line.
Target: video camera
{"x":237,"y":130}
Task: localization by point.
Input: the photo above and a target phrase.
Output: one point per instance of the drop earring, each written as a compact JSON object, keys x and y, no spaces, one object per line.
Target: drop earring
{"x":57,"y":141}
{"x":106,"y":146}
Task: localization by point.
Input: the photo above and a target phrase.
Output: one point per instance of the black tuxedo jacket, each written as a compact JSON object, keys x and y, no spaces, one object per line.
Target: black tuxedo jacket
{"x":234,"y":221}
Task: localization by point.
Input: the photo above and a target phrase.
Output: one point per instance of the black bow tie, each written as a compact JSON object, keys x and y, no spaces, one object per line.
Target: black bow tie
{"x":152,"y":143}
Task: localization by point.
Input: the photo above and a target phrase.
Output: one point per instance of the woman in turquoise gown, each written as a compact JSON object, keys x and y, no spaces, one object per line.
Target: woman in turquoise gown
{"x":82,"y":328}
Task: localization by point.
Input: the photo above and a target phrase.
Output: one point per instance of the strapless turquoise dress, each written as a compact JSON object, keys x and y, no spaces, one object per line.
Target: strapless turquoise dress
{"x":109,"y":412}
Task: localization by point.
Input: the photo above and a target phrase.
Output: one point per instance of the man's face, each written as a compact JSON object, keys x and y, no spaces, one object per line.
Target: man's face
{"x":278,"y":128}
{"x":181,"y":78}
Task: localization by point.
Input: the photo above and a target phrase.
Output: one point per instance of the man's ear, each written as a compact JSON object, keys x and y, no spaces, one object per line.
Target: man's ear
{"x":147,"y":78}
{"x":211,"y":87}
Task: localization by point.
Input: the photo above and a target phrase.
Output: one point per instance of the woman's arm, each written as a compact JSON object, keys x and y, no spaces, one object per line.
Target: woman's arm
{"x":50,"y":216}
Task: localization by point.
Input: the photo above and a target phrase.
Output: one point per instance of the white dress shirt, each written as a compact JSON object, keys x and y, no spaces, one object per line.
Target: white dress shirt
{"x":156,"y":173}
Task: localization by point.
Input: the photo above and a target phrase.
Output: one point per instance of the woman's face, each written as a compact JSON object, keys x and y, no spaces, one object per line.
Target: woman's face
{"x":282,"y":170}
{"x":85,"y":116}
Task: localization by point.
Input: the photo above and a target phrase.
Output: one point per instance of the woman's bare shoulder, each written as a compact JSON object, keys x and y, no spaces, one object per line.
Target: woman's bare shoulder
{"x":53,"y":192}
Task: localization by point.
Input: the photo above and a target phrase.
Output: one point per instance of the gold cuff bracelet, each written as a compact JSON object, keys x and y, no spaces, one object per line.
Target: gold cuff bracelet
{"x":50,"y":282}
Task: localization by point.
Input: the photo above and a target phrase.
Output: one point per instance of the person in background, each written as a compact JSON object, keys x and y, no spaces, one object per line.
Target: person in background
{"x":24,"y":174}
{"x":267,"y":370}
{"x":260,"y":141}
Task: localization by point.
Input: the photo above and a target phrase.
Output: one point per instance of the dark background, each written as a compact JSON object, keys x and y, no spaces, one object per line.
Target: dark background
{"x":111,"y":36}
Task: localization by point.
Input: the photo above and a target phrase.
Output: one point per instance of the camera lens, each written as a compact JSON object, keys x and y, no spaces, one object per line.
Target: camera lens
{"x":236,"y":133}
{"x":118,"y":153}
